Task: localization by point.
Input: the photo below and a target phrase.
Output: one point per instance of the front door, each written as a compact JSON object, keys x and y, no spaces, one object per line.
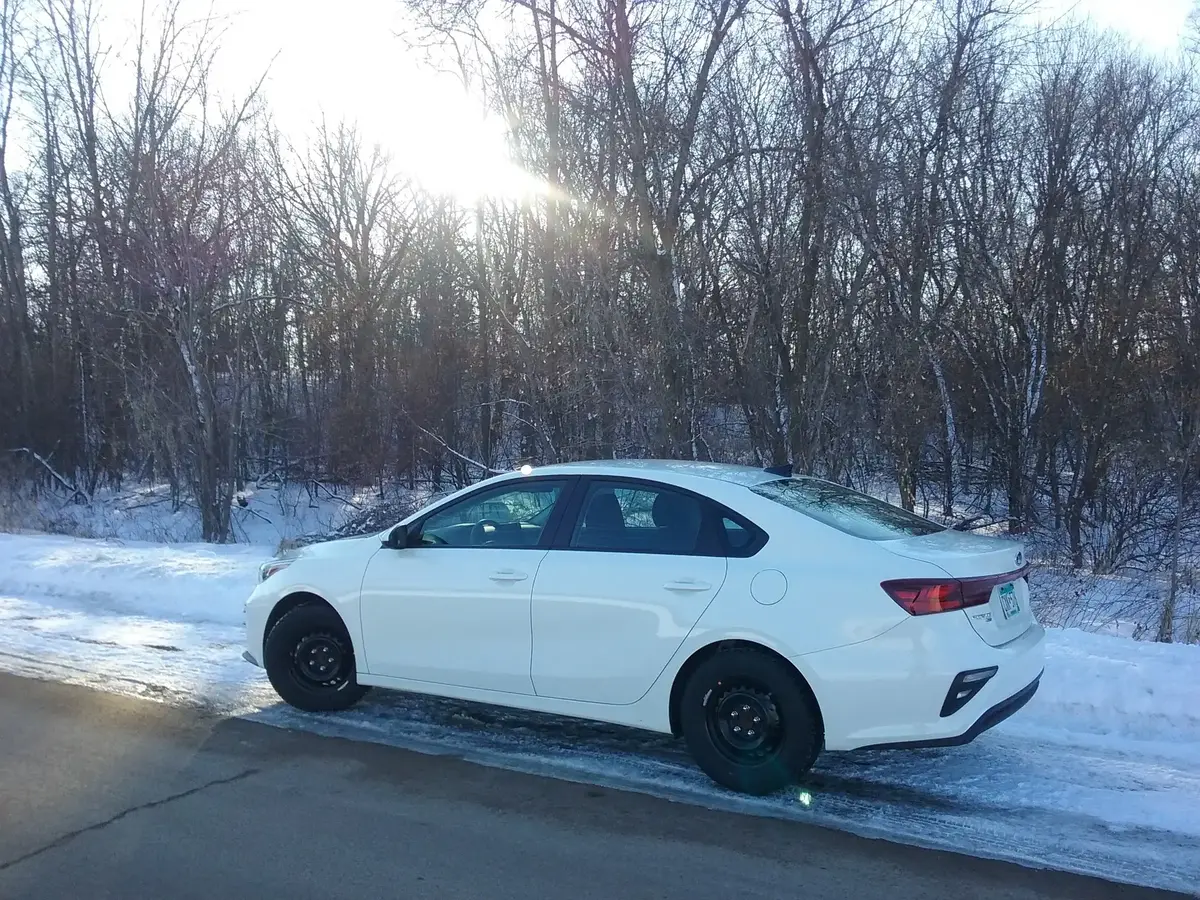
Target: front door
{"x":454,"y":607}
{"x":612,"y":607}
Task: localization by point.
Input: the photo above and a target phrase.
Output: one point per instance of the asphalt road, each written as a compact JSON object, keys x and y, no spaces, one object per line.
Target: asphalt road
{"x":102,"y":796}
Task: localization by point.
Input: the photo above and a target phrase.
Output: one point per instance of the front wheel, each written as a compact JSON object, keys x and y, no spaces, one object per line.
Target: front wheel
{"x":310,"y":661}
{"x":749,"y":722}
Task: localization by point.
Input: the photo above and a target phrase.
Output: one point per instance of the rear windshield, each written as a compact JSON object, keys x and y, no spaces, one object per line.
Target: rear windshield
{"x":846,"y":510}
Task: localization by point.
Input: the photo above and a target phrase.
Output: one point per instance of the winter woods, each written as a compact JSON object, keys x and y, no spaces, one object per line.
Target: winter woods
{"x":933,"y":245}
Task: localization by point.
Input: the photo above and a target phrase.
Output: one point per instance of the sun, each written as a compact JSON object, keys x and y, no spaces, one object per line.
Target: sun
{"x":353,"y":67}
{"x":448,"y":143}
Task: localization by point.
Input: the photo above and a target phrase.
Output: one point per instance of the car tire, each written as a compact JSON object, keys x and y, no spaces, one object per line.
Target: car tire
{"x":310,"y":660}
{"x":750,"y":722}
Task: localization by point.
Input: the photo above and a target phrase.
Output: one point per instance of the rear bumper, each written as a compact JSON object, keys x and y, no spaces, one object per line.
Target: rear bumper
{"x":989,"y":719}
{"x":892,"y":690}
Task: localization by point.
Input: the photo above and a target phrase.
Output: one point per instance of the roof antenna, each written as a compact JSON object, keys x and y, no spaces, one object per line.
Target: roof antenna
{"x":783,"y":471}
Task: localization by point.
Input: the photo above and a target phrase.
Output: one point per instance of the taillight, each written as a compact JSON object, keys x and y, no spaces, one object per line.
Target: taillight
{"x":922,"y":596}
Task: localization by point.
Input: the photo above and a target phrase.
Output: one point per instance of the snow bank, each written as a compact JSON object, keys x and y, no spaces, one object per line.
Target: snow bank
{"x":259,"y":515}
{"x":1113,"y":692}
{"x":177,"y":582}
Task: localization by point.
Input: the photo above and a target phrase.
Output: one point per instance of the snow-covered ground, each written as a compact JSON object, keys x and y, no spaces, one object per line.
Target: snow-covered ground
{"x":1100,"y":773}
{"x":262,"y":514}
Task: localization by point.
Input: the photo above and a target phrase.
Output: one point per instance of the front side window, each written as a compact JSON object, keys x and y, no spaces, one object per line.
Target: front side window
{"x":636,"y":518}
{"x":846,"y":510}
{"x":510,"y":516}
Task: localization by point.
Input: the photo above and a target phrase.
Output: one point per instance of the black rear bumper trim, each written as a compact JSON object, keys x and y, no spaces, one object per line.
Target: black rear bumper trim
{"x":989,"y":719}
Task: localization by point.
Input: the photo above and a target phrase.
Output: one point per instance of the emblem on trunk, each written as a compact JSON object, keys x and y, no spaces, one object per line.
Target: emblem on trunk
{"x":1020,"y":557}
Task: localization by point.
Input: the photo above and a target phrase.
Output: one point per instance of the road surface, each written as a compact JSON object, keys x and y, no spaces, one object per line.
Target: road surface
{"x":104,"y":796}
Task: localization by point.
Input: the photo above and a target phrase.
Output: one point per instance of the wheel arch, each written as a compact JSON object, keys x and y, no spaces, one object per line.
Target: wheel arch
{"x":708,"y":651}
{"x":295,"y":599}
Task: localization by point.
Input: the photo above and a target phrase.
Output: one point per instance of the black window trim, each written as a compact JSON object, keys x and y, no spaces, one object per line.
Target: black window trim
{"x":570,"y":485}
{"x":574,"y":508}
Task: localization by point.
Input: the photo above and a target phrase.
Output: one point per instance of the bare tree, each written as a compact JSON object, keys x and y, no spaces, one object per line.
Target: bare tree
{"x":909,"y":246}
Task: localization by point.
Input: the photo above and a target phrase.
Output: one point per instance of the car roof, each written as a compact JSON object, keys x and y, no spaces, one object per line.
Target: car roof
{"x":665,"y":469}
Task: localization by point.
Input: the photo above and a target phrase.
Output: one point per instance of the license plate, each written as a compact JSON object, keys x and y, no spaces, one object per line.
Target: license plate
{"x":1009,"y":604}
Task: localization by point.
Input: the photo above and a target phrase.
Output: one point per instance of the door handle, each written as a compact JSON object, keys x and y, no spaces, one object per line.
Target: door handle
{"x":687,"y":584}
{"x":508,"y":575}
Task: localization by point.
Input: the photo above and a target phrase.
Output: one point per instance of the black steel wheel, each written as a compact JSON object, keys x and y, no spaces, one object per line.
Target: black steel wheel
{"x":310,"y":660}
{"x":749,"y":721}
{"x":320,"y":660}
{"x":744,"y":724}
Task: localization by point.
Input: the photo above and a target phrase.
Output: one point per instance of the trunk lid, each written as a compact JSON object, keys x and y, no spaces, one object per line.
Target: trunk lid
{"x":979,"y":562}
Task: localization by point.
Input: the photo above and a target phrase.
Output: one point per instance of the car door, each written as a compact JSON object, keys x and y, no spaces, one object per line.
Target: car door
{"x":625,"y":583}
{"x":453,"y":607}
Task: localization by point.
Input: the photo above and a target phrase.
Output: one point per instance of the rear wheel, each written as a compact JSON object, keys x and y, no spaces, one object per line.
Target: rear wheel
{"x":749,"y":722}
{"x":310,"y":660}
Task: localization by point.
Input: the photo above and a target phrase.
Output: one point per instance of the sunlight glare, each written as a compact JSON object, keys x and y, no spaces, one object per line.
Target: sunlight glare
{"x":450,"y":145}
{"x":352,"y":66}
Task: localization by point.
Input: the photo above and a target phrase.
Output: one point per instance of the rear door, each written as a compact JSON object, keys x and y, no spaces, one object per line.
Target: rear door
{"x":630,"y":575}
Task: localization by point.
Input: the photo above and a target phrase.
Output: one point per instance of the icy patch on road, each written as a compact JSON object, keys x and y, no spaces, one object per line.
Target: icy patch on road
{"x":1100,"y":773}
{"x":180,"y":662}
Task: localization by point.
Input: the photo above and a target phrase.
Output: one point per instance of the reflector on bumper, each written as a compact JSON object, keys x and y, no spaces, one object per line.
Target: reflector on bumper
{"x":965,"y":686}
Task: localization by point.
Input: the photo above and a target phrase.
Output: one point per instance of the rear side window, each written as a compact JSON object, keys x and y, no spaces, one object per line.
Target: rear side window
{"x":740,"y":539}
{"x":627,"y":517}
{"x":846,"y":510}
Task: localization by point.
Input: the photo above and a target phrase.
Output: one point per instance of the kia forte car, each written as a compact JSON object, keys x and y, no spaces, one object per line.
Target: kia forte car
{"x":759,"y":616}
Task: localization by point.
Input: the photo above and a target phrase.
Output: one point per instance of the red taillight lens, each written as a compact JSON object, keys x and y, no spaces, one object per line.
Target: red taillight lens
{"x":922,"y":596}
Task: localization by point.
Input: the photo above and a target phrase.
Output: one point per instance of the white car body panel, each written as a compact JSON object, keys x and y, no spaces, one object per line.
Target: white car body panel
{"x":450,"y":615}
{"x":596,"y":635}
{"x":960,"y":554}
{"x":587,"y":602}
{"x":992,"y":622}
{"x":972,"y":556}
{"x":889,"y":690}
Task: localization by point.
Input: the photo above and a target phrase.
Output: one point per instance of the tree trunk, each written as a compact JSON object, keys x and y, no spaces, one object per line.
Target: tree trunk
{"x":1166,"y":623}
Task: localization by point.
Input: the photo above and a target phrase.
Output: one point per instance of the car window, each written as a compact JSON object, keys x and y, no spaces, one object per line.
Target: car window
{"x":845,"y":509}
{"x":636,"y":518}
{"x":507,"y":517}
{"x":739,"y":538}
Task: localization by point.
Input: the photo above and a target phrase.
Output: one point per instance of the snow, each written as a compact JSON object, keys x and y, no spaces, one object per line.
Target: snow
{"x":1100,"y":773}
{"x":261,"y":514}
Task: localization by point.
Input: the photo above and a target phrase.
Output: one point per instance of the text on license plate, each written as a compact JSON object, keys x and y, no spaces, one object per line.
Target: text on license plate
{"x":1009,"y":604}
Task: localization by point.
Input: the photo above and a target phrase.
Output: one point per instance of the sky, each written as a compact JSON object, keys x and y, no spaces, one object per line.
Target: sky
{"x":351,"y":63}
{"x":1156,"y":24}
{"x":344,"y":61}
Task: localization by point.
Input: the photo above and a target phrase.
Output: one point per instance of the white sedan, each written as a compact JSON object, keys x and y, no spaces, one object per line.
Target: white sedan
{"x":762,"y":617}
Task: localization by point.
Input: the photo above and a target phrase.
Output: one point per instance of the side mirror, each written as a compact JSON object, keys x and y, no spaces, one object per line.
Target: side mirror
{"x":397,"y":538}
